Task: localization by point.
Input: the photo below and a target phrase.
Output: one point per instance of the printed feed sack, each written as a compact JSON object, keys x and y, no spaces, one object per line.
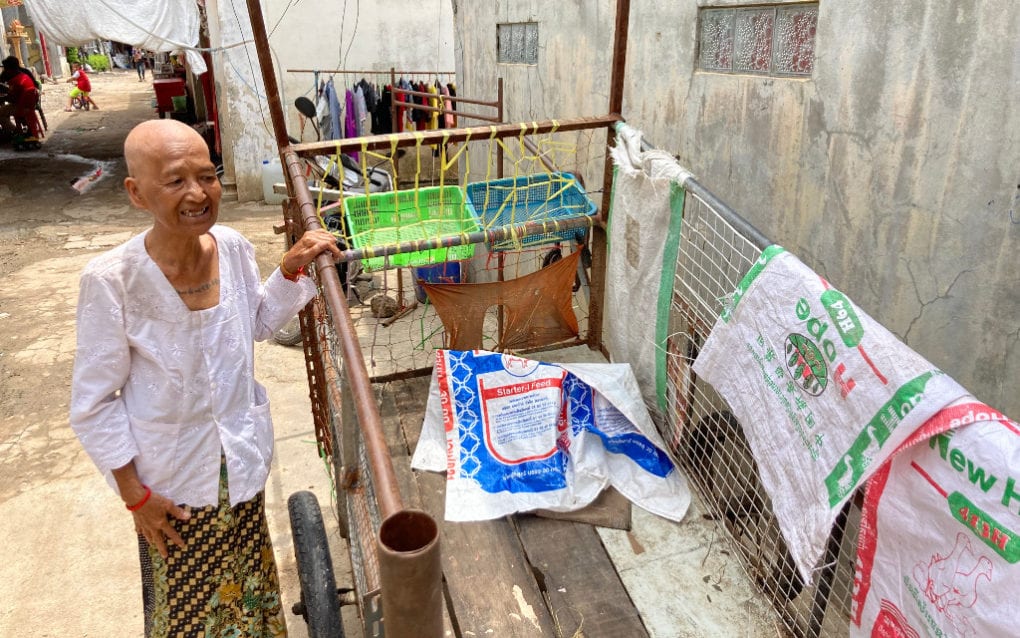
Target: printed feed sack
{"x":516,"y":435}
{"x":824,"y":393}
{"x":938,"y":547}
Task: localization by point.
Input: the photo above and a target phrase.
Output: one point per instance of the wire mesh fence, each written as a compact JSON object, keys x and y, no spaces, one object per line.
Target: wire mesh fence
{"x":715,"y":252}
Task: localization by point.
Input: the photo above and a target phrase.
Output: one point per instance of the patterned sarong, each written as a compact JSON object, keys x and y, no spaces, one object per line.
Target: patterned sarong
{"x":224,"y":583}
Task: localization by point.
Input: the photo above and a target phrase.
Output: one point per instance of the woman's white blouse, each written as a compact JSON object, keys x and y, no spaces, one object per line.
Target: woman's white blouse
{"x":170,"y":387}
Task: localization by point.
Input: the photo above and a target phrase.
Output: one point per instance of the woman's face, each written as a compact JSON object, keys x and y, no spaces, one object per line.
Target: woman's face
{"x":178,"y":185}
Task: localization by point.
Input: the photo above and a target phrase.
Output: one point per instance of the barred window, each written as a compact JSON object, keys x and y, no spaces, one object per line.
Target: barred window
{"x":517,"y":43}
{"x":765,"y":39}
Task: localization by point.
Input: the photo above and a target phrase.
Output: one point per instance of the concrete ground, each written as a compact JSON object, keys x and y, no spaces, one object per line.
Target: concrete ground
{"x":68,"y":562}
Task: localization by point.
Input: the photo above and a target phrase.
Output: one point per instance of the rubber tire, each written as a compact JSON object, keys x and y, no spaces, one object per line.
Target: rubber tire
{"x":290,"y":334}
{"x":315,"y":567}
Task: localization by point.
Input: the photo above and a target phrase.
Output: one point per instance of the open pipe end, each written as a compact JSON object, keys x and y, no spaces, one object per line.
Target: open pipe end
{"x":408,"y":531}
{"x":410,"y":575}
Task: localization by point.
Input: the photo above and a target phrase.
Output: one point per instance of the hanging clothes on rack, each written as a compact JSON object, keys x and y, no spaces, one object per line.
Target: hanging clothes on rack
{"x":397,"y":121}
{"x":434,"y":103}
{"x":422,"y":116}
{"x":453,"y":104}
{"x":335,"y":112}
{"x":350,"y":120}
{"x":446,"y":118}
{"x":382,"y":119}
{"x":371,"y":94}
{"x":360,"y":112}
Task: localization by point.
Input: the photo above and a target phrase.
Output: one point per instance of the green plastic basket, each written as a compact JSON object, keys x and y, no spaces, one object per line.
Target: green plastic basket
{"x":386,"y":219}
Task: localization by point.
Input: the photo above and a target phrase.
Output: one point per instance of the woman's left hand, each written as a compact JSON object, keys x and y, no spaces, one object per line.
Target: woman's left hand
{"x":311,"y":245}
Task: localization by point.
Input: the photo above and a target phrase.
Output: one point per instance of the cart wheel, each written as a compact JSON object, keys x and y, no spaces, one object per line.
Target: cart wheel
{"x":320,"y":604}
{"x":290,"y":334}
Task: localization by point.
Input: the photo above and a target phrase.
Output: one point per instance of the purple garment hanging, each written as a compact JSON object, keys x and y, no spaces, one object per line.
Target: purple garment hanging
{"x":350,"y":122}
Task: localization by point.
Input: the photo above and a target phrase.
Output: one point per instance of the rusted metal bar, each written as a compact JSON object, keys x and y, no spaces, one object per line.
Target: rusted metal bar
{"x":501,"y":256}
{"x":383,"y":476}
{"x":422,"y":107}
{"x":395,"y":122}
{"x":525,"y":229}
{"x":452,"y":98}
{"x":437,"y":136}
{"x":599,"y":248}
{"x":374,"y":71}
{"x":528,"y":144}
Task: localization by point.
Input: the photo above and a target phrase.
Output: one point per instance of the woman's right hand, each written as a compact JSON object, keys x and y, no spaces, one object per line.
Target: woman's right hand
{"x":153,"y":520}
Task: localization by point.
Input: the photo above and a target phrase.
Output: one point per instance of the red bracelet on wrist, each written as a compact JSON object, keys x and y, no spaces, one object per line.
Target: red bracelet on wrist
{"x":145,"y":499}
{"x":291,"y":276}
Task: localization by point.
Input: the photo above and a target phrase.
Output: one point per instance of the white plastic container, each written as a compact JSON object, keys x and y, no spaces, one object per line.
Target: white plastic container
{"x":272,"y":173}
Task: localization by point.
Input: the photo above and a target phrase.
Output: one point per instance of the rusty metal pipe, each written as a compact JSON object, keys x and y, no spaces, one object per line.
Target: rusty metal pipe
{"x":432,"y":109}
{"x":410,"y":574}
{"x":407,"y":544}
{"x":437,"y":136}
{"x":383,"y":476}
{"x":372,"y":72}
{"x":599,"y":246}
{"x":503,"y":233}
{"x":465,"y":100}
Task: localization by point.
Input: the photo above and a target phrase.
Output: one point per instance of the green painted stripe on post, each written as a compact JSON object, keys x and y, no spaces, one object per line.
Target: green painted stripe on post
{"x":670,"y":251}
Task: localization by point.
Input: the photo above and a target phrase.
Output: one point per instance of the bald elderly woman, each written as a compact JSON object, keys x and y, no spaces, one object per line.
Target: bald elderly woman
{"x":164,"y":398}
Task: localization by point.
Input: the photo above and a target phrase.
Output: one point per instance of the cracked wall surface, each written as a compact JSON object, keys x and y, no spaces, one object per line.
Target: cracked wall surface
{"x":894,"y":170}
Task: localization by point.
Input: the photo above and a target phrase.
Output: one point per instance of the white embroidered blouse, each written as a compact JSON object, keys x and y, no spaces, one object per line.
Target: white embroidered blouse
{"x":171,"y":387}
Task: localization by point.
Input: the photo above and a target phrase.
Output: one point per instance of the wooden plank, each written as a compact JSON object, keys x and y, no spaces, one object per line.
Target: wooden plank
{"x":491,"y":588}
{"x":411,"y":396}
{"x":584,"y":591}
{"x":390,"y":417}
{"x":491,"y":578}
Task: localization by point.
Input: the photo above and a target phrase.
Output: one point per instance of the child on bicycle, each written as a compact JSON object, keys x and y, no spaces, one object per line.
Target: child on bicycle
{"x":82,"y":87}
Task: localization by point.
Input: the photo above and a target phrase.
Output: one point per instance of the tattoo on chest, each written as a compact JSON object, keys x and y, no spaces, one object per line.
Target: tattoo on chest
{"x":199,"y":289}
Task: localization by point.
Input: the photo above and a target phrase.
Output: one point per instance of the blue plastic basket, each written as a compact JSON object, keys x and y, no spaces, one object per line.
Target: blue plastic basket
{"x":529,"y":198}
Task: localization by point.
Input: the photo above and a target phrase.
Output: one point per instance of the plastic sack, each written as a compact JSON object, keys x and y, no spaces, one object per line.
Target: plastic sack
{"x":824,"y":393}
{"x":939,"y":545}
{"x":513,"y":435}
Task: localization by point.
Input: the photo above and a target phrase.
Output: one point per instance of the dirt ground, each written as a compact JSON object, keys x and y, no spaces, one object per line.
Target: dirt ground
{"x":68,"y":564}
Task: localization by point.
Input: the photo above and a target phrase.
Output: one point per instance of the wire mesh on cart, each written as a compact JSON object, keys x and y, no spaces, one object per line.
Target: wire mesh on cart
{"x":397,"y":325}
{"x":715,"y":252}
{"x":393,"y":321}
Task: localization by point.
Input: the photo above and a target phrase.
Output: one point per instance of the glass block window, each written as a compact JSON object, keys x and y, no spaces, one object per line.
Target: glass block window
{"x":517,"y":43}
{"x":765,"y":39}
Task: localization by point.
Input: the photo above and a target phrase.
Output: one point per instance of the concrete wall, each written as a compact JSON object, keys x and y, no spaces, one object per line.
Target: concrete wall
{"x":894,"y":170}
{"x":571,"y":78}
{"x":370,"y":35}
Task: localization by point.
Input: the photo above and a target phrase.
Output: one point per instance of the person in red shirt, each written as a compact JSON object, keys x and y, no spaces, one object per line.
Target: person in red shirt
{"x":21,"y":99}
{"x":82,"y":87}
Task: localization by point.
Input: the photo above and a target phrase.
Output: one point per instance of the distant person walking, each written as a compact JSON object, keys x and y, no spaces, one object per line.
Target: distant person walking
{"x":139,"y":59}
{"x":82,"y":89}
